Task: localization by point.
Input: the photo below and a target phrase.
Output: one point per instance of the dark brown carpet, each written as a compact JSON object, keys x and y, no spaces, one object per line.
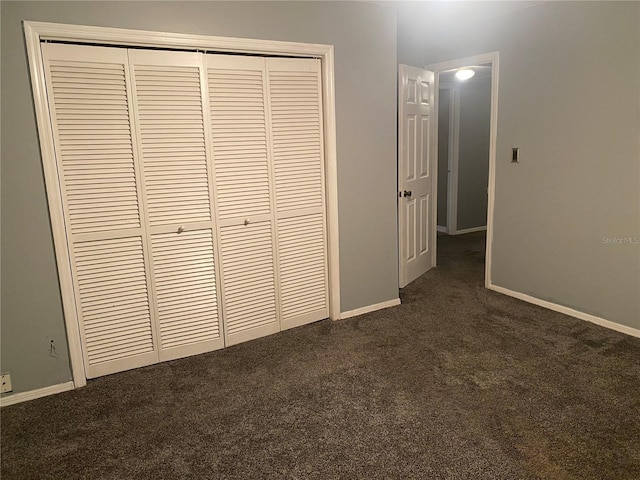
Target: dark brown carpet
{"x":456,"y":383}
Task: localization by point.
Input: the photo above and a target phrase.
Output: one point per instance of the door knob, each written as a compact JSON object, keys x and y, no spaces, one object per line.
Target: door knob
{"x":246,"y":222}
{"x":180,"y":229}
{"x":407,"y":193}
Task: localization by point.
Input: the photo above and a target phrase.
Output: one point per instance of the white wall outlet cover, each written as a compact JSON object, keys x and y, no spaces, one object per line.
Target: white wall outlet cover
{"x":5,"y":380}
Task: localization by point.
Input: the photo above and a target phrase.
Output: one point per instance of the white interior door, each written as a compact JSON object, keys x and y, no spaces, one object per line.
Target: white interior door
{"x":416,"y":173}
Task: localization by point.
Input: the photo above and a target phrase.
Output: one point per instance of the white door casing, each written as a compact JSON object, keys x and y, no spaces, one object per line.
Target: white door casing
{"x":416,"y":173}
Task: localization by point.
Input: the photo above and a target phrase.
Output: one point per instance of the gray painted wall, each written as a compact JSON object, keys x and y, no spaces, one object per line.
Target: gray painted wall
{"x":569,"y":98}
{"x":443,"y":154}
{"x":364,"y":36}
{"x":473,"y":152}
{"x":474,"y":119}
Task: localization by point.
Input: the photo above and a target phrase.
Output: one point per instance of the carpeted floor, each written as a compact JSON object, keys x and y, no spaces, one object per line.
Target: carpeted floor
{"x":456,"y":383}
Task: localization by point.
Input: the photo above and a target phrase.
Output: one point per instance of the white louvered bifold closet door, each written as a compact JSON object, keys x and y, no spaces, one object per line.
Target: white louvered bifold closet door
{"x":90,"y":105}
{"x":295,"y":94}
{"x":244,"y":195}
{"x":193,"y":198}
{"x":178,"y":193}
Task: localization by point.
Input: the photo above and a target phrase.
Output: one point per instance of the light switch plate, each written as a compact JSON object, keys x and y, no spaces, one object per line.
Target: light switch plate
{"x":6,"y":383}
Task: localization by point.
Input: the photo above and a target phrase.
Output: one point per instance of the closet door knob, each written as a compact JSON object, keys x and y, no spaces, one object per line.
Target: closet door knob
{"x":246,"y":222}
{"x":180,"y":229}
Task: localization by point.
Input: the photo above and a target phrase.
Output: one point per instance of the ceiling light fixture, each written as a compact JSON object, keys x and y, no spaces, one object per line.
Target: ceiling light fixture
{"x":465,"y":74}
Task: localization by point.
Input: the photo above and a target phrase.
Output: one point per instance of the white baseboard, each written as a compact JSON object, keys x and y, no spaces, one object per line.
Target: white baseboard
{"x":14,"y":398}
{"x":469,"y":230}
{"x":442,"y":229}
{"x":370,"y":308}
{"x":634,"y":332}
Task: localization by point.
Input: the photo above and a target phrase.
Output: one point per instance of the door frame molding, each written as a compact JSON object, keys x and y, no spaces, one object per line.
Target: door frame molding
{"x":37,"y":32}
{"x":494,"y":59}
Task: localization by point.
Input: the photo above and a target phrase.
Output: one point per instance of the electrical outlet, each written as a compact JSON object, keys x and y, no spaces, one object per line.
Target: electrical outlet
{"x":6,"y":383}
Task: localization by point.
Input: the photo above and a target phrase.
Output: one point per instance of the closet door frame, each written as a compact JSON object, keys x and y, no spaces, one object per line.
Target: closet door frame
{"x":38,"y":32}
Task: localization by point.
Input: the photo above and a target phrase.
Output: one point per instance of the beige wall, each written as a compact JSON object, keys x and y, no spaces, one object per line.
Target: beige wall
{"x":569,"y":97}
{"x":364,"y":36}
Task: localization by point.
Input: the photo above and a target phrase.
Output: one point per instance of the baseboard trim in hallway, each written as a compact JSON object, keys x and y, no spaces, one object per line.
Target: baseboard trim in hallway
{"x":634,"y":332}
{"x":369,"y":308}
{"x":469,"y":230}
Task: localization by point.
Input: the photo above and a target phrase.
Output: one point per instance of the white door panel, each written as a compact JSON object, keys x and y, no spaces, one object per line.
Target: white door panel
{"x":177,"y":185}
{"x":113,"y":304}
{"x":295,"y":106}
{"x":185,"y":290}
{"x":239,"y":135}
{"x":90,"y":101}
{"x":241,"y":156}
{"x":250,"y":303}
{"x":303,"y":271}
{"x":416,"y":173}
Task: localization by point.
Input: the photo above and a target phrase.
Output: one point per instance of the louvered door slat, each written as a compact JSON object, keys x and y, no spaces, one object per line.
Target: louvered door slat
{"x":77,"y":89}
{"x":249,"y":281}
{"x":287,"y":109}
{"x":239,"y":135}
{"x":186,"y":296}
{"x":302,"y":265}
{"x":167,"y":94}
{"x":126,"y":316}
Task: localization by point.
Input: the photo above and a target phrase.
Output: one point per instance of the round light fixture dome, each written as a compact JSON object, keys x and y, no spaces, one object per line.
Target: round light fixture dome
{"x":465,"y":74}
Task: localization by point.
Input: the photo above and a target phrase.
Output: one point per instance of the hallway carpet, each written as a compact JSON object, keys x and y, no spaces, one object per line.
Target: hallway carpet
{"x":456,"y":383}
